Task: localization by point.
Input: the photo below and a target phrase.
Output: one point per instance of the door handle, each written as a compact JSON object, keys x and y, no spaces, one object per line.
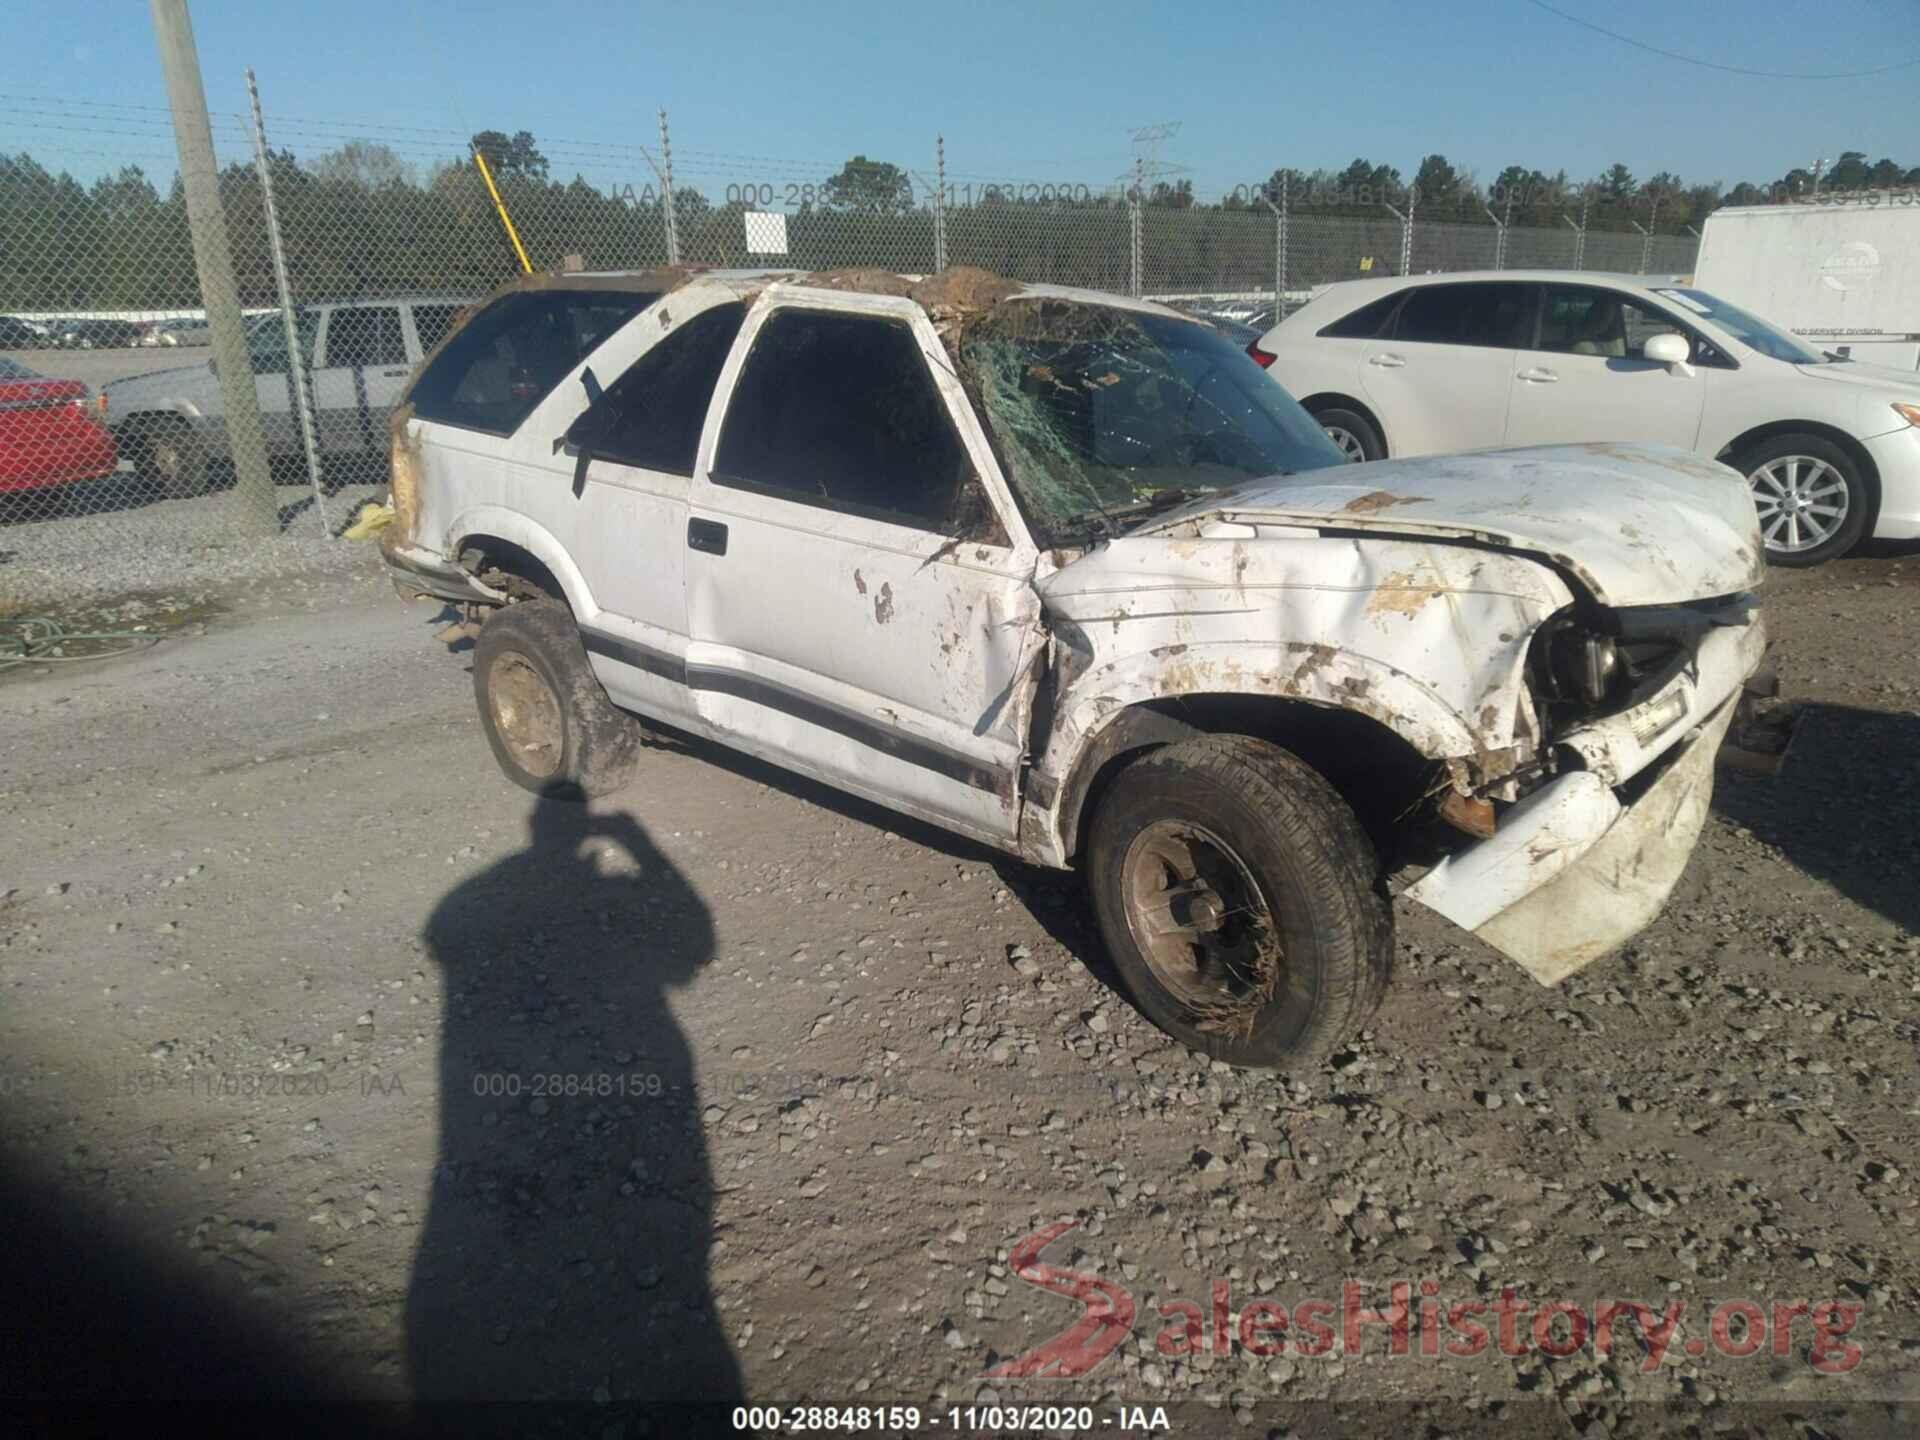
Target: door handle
{"x":707,"y":536}
{"x":1538,"y":376}
{"x":1386,"y":362}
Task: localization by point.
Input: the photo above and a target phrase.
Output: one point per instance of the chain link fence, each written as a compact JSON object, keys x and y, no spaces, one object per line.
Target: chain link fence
{"x":110,"y":404}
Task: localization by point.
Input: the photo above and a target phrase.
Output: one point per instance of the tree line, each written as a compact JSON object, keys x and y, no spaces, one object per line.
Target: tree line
{"x":1612,"y":200}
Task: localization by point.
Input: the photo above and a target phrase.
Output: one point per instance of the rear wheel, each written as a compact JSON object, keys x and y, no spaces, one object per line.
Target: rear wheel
{"x":1240,"y":900}
{"x":174,"y":458}
{"x":1356,"y":435}
{"x":547,"y":717}
{"x":1810,"y":496}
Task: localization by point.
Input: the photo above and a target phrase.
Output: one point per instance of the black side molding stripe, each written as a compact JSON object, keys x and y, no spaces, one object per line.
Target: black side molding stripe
{"x":632,"y":652}
{"x":858,"y":728}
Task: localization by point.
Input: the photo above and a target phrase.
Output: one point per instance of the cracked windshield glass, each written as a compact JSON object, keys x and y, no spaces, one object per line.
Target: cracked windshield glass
{"x":1103,"y":415}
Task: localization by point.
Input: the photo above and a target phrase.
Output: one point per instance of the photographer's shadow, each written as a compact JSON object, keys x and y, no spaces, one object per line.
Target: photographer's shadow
{"x":564,"y":1254}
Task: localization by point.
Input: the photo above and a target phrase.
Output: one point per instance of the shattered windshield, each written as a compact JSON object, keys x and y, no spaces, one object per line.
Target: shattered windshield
{"x":1102,"y":414}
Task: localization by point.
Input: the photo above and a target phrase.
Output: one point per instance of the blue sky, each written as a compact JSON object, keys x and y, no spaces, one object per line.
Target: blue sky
{"x":1027,"y":91}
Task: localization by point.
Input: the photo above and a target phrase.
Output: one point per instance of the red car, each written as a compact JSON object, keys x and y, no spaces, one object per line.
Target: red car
{"x":47,"y":436}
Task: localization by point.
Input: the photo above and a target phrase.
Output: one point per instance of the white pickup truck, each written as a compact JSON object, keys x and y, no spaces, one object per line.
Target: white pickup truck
{"x":358,"y":354}
{"x":1067,"y":573}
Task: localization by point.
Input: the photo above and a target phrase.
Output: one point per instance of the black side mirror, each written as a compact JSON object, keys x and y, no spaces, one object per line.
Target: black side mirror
{"x":583,"y":438}
{"x":584,"y":434}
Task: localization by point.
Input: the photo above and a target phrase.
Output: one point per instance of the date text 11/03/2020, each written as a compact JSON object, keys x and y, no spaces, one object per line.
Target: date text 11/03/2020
{"x":962,"y":1419}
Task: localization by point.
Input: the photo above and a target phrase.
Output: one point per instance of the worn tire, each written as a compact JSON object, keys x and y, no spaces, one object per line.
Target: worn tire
{"x":574,"y":744}
{"x":1312,"y":863}
{"x":175,"y":459}
{"x":1812,"y":448}
{"x":1351,"y":422}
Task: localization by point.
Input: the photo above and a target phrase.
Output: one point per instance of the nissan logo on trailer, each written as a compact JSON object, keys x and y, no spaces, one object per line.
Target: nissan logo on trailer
{"x":1851,"y":266}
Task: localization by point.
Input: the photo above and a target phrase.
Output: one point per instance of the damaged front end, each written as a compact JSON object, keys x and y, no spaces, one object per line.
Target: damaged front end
{"x":1634,"y":704}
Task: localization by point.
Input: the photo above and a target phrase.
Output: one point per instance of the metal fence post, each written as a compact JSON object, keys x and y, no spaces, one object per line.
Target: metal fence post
{"x":666,"y":201}
{"x":1646,"y":245}
{"x":1404,"y":245}
{"x":1280,"y":252}
{"x":1406,"y":231}
{"x":940,"y":203}
{"x":296,"y":361}
{"x":212,"y":257}
{"x":1579,"y":238}
{"x":1134,"y":208}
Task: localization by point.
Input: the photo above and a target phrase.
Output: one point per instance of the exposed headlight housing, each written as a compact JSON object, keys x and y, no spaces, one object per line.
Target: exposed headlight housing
{"x":1584,"y":665}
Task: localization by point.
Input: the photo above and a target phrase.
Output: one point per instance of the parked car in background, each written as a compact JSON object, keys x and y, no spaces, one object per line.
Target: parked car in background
{"x":358,"y":355}
{"x":1440,"y":363}
{"x":178,"y":332}
{"x":47,"y":432}
{"x":1063,"y":572}
{"x":96,"y":334}
{"x":18,"y":334}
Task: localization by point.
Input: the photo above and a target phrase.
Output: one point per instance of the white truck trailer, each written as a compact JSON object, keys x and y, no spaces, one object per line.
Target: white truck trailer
{"x":1843,"y":274}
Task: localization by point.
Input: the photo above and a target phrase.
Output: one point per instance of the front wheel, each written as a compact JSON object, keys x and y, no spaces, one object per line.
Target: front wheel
{"x":1240,"y":900}
{"x":1811,"y":498}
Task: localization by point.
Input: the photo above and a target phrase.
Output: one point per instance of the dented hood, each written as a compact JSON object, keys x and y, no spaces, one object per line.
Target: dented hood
{"x":1633,"y":524}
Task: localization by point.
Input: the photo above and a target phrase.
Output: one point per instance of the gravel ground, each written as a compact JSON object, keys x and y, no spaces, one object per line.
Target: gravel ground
{"x":279,"y":985}
{"x":121,"y":541}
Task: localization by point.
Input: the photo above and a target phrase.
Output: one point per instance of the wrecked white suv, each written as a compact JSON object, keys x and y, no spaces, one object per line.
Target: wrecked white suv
{"x":1068,"y":574}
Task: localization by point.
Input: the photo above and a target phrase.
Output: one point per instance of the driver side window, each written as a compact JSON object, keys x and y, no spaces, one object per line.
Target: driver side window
{"x":838,"y":411}
{"x":267,"y":341}
{"x":1604,"y":323}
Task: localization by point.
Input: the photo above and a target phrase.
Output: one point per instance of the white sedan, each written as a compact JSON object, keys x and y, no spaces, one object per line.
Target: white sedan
{"x":1437,"y":363}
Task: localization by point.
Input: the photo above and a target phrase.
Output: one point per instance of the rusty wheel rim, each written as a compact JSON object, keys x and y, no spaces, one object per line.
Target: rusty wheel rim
{"x":1201,"y":922}
{"x":526,"y":714}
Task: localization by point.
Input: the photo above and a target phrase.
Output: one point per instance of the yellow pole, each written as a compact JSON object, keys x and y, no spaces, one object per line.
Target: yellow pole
{"x":500,"y":205}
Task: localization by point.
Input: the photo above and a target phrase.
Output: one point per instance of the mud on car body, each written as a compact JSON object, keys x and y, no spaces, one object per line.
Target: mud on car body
{"x":1067,"y":573}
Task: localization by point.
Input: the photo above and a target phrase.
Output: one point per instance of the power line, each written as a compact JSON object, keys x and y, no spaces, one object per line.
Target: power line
{"x":1715,"y":65}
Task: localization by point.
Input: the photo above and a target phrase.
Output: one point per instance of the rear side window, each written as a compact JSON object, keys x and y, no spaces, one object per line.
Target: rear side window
{"x":656,"y":410}
{"x":431,"y":322}
{"x":365,"y":335}
{"x":1366,"y":323}
{"x":510,"y":356}
{"x":839,"y":411}
{"x":1499,"y":315}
